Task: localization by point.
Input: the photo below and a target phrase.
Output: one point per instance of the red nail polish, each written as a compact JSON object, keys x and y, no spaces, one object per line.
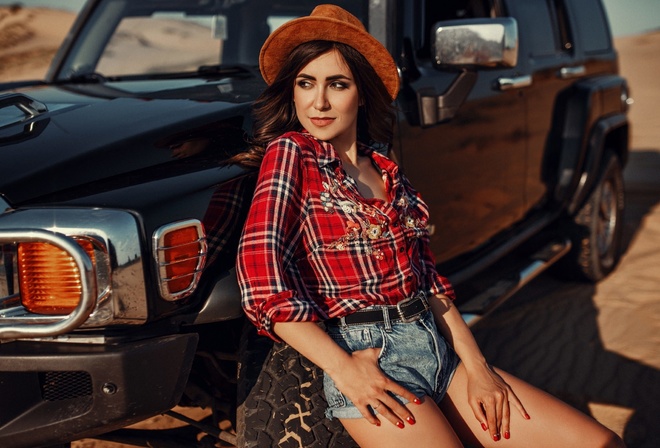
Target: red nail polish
{"x":400,"y":424}
{"x":496,"y":437}
{"x":527,"y":417}
{"x":377,"y":422}
{"x":484,"y":426}
{"x":507,"y":435}
{"x":411,"y":420}
{"x":417,"y":401}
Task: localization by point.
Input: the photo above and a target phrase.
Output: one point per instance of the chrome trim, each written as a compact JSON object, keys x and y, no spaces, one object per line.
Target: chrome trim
{"x":40,"y":327}
{"x":158,"y":248}
{"x":515,"y":82}
{"x":29,"y":106}
{"x":476,"y":42}
{"x":572,"y":72}
{"x":121,"y":297}
{"x":378,"y":21}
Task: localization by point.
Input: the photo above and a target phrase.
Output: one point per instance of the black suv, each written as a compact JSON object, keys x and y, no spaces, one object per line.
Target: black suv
{"x":119,"y":217}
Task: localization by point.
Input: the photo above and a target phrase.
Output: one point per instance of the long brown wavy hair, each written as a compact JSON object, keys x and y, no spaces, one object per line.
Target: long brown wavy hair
{"x":274,"y":112}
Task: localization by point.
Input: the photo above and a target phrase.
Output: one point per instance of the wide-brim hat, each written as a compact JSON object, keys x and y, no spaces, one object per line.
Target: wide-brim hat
{"x":331,"y":23}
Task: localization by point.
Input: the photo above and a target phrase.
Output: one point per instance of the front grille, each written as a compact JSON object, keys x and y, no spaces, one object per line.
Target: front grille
{"x":57,"y":386}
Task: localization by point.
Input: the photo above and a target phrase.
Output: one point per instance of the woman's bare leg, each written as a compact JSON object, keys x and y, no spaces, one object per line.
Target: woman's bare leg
{"x":430,"y":430}
{"x":553,"y":423}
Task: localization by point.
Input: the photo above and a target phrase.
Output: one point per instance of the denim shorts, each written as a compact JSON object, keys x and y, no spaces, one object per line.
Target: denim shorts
{"x":414,"y":354}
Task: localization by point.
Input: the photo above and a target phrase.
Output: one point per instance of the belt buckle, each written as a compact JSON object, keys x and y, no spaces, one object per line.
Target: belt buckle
{"x":419,"y":296}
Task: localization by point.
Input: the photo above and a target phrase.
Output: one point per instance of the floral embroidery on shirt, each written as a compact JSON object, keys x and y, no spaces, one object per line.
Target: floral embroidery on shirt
{"x":362,"y":222}
{"x":374,"y":232}
{"x":326,"y":200}
{"x":348,"y":207}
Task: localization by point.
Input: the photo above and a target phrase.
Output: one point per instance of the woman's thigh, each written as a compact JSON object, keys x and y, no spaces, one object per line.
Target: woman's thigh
{"x":430,"y":430}
{"x":553,"y":423}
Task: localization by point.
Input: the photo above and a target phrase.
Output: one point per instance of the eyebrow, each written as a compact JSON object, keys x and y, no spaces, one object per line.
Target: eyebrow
{"x":329,"y":78}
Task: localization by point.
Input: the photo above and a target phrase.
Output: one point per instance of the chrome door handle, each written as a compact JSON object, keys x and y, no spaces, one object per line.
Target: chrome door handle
{"x":514,"y":83}
{"x":572,"y":72}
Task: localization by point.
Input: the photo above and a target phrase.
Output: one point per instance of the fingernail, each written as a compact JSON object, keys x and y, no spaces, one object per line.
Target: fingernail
{"x":400,"y":424}
{"x":417,"y":401}
{"x":411,"y":420}
{"x":377,"y":422}
{"x":527,"y":416}
{"x":496,"y":437}
{"x":484,"y":426}
{"x":507,"y":435}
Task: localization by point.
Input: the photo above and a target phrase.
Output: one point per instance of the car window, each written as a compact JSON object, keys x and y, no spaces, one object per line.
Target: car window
{"x":591,"y":20}
{"x":146,"y":37}
{"x":163,"y":43}
{"x":535,"y":16}
{"x":545,"y":27}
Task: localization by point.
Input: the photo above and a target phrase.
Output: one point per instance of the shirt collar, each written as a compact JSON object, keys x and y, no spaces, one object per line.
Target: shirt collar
{"x":327,"y":155}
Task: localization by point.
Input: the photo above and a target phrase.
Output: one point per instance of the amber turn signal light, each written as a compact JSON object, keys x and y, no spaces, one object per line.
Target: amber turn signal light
{"x":49,"y":278}
{"x":181,"y":252}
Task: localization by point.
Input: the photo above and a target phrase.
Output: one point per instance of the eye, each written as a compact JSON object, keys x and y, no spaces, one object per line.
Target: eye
{"x":304,"y":84}
{"x":338,"y":85}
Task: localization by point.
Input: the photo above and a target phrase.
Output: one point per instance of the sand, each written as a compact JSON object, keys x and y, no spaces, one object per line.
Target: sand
{"x":29,"y":38}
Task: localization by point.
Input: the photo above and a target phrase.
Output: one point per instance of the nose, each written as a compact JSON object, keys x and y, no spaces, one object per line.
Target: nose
{"x":321,"y":100}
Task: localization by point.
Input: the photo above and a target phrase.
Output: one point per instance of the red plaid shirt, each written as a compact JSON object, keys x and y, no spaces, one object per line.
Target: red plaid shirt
{"x":314,"y":248}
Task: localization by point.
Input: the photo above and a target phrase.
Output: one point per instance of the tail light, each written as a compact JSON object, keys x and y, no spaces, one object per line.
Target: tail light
{"x":49,"y":279}
{"x":180,"y":250}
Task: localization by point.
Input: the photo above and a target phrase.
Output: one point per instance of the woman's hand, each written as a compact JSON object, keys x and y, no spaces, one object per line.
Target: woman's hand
{"x":365,"y":384}
{"x":357,"y":375}
{"x":490,"y":398}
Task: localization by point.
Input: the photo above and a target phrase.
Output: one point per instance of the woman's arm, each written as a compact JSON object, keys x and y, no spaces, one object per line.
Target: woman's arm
{"x":488,"y":393}
{"x":356,"y":375}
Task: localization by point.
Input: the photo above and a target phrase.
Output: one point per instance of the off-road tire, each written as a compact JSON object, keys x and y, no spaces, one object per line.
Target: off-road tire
{"x":285,"y":405}
{"x":597,"y":228}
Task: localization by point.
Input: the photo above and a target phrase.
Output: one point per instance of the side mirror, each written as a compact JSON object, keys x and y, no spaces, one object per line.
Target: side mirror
{"x":476,"y":43}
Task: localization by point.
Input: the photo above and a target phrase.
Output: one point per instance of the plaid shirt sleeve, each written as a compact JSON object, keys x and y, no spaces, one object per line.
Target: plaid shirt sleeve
{"x":265,"y":264}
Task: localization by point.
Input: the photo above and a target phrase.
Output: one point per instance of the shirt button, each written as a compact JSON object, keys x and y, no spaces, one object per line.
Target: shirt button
{"x":409,"y":278}
{"x":401,"y":249}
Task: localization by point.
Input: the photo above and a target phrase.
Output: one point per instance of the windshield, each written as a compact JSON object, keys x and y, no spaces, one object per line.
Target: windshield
{"x":159,"y":37}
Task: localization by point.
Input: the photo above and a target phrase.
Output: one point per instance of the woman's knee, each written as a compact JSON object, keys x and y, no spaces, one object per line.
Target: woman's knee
{"x":612,"y":440}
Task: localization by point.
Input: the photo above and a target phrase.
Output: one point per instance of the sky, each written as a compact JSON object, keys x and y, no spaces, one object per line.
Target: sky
{"x":626,"y":16}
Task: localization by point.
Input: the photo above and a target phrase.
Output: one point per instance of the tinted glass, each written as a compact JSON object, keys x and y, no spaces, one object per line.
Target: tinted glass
{"x":592,"y":23}
{"x":536,"y":22}
{"x":174,"y":36}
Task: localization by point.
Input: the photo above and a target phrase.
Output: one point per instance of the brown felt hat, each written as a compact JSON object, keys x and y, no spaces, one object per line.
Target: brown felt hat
{"x":332,"y":23}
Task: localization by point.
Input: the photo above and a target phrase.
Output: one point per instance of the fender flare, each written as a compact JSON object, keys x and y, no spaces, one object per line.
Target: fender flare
{"x":585,"y":116}
{"x":600,"y":139}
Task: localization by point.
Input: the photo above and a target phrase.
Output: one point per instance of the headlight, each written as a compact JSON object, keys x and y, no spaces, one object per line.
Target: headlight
{"x":50,"y":281}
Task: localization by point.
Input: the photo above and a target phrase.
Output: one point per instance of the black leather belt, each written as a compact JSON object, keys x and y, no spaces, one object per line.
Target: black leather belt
{"x":407,"y":310}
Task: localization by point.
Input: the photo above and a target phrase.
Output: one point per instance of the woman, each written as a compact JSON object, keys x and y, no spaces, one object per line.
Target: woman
{"x":336,"y":235}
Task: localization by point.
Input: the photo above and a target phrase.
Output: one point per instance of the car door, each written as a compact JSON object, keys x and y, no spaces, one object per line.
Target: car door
{"x":547,"y":45}
{"x":470,"y":170}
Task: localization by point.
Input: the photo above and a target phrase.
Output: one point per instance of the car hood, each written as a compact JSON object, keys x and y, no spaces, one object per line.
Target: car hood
{"x":96,"y":135}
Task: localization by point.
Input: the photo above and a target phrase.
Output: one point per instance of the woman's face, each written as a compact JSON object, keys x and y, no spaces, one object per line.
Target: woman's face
{"x":327,"y":99}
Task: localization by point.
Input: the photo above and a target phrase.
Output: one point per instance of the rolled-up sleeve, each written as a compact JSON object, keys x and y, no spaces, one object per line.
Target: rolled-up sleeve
{"x":437,"y":284}
{"x":271,"y":237}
